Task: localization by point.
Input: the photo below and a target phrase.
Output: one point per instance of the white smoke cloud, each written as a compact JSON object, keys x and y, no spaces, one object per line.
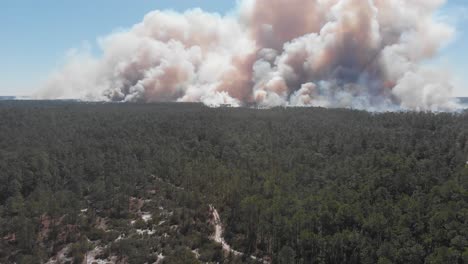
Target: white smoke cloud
{"x":366,"y":54}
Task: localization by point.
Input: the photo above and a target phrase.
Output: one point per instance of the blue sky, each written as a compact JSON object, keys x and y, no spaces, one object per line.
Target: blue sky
{"x":36,"y":35}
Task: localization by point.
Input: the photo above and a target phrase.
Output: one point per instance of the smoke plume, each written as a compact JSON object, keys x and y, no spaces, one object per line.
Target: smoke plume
{"x":367,"y":54}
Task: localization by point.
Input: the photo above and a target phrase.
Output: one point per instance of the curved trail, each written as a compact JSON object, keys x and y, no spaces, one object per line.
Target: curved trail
{"x":218,"y":236}
{"x":216,"y":222}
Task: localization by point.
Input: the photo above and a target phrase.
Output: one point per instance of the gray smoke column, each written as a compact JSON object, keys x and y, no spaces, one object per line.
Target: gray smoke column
{"x":367,"y":54}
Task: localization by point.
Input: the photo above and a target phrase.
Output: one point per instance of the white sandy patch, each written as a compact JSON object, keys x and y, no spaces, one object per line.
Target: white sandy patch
{"x":145,"y":231}
{"x":146,"y":216}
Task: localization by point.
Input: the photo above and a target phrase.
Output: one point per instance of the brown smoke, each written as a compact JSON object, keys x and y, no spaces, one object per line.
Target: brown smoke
{"x":365,"y":54}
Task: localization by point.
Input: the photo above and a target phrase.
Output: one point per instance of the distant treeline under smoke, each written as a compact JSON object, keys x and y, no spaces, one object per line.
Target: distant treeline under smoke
{"x":367,"y":54}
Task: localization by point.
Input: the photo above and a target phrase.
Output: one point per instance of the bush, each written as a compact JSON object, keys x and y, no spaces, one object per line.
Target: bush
{"x":95,"y":234}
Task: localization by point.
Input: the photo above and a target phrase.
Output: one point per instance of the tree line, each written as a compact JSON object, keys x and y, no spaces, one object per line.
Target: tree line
{"x":294,"y":185}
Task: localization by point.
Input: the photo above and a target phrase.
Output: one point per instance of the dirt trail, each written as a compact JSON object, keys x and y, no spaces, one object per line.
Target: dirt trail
{"x":218,"y":236}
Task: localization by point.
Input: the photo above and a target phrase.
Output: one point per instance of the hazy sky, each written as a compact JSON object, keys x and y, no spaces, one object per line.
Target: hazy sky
{"x":36,"y":35}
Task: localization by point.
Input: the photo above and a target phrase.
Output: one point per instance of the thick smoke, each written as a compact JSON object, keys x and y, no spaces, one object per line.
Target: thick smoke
{"x":367,"y":54}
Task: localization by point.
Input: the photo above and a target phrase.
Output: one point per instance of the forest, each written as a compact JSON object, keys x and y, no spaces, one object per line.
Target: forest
{"x":133,"y":183}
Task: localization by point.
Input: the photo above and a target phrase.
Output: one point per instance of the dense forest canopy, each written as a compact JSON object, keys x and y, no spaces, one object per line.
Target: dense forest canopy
{"x":292,"y":185}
